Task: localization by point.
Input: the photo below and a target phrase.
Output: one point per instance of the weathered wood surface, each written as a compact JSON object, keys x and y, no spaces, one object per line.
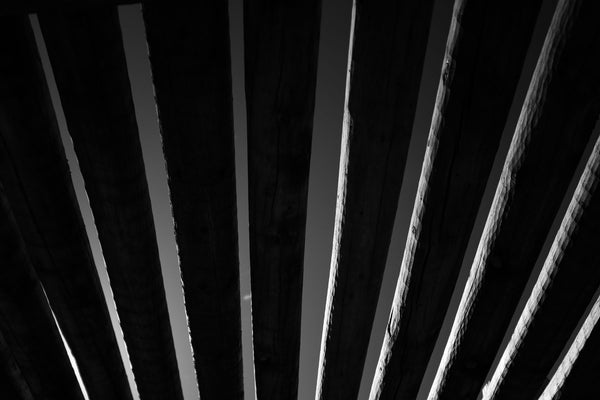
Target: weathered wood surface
{"x":88,"y":60}
{"x":191,"y":68}
{"x":577,"y":375}
{"x":37,"y":181}
{"x":566,"y":286}
{"x":281,"y":43}
{"x":474,"y":97}
{"x":387,"y":48}
{"x":556,"y":122}
{"x":27,"y":325}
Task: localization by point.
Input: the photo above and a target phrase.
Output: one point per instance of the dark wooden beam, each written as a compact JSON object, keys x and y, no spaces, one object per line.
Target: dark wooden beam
{"x":13,"y":384}
{"x":8,"y":388}
{"x":475,"y":90}
{"x":555,"y":125}
{"x":281,"y":45}
{"x":88,"y":60}
{"x":566,"y":286}
{"x":577,"y":375}
{"x":21,"y":7}
{"x":191,"y":69}
{"x":27,"y":325}
{"x":37,"y":180}
{"x":387,"y":49}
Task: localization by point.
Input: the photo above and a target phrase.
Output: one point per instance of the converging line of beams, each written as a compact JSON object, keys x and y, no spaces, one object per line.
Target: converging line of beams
{"x":37,"y":181}
{"x":564,"y":289}
{"x":191,"y":70}
{"x":577,"y":375}
{"x":26,"y":322}
{"x":387,"y":48}
{"x":555,"y":125}
{"x":88,"y":60}
{"x":475,"y":93}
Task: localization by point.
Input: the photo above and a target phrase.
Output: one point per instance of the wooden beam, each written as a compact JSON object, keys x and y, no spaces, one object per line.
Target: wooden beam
{"x":191,"y":68}
{"x":87,"y":56}
{"x":8,"y":388}
{"x":387,"y":49}
{"x":27,"y":325}
{"x":281,"y":43}
{"x":555,"y":125}
{"x":577,"y":375}
{"x":13,"y":384}
{"x":22,"y":7}
{"x":475,"y":90}
{"x":563,"y":291}
{"x":37,"y":180}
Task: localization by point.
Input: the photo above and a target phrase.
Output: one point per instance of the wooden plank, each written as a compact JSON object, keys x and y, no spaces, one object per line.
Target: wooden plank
{"x":281,"y":43}
{"x":37,"y":180}
{"x":13,"y":384}
{"x":88,"y":60}
{"x":191,"y":68}
{"x":565,"y":287}
{"x":556,"y":122}
{"x":21,"y":7}
{"x":475,"y":90}
{"x":8,"y":388}
{"x":387,"y":48}
{"x":577,"y":375}
{"x":27,"y":325}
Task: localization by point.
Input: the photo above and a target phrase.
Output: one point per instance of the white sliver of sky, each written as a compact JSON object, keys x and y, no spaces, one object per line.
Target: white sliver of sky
{"x":71,"y":358}
{"x":141,"y":84}
{"x":142,"y":91}
{"x":85,"y":210}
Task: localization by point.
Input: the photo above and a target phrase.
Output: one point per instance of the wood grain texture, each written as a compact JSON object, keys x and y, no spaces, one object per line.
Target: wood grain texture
{"x":37,"y":181}
{"x":191,"y":69}
{"x":565,"y":287}
{"x":474,"y":96}
{"x":556,"y":122}
{"x":577,"y":375}
{"x":88,"y":60}
{"x":387,"y":48}
{"x":281,"y":43}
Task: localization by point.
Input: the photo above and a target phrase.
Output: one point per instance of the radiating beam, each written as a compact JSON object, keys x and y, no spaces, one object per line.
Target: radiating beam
{"x":191,"y":69}
{"x":565,"y":287}
{"x":37,"y":180}
{"x":474,"y":96}
{"x":27,"y":325}
{"x":387,"y":48}
{"x":88,"y":60}
{"x":556,"y":122}
{"x":577,"y":375}
{"x":281,"y":44}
